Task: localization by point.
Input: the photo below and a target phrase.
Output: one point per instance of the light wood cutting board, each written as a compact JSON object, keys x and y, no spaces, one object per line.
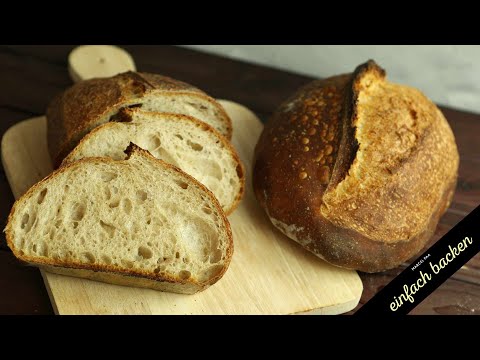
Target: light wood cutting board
{"x":269,"y":273}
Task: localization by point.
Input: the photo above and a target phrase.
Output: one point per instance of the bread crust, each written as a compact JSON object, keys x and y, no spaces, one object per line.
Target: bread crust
{"x":126,"y":116}
{"x":80,"y":108}
{"x":357,"y":170}
{"x":115,"y":274}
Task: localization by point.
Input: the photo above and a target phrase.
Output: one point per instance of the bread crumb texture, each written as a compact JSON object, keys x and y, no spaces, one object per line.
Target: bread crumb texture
{"x":138,"y":217}
{"x":79,"y":109}
{"x":180,"y":140}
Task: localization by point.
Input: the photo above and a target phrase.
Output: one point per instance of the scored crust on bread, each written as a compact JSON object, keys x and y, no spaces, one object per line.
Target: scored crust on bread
{"x":137,"y":222}
{"x":191,"y":145}
{"x":90,"y":103}
{"x":357,"y":170}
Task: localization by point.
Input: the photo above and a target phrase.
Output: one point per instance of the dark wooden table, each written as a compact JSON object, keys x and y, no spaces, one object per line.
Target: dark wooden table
{"x":32,"y":75}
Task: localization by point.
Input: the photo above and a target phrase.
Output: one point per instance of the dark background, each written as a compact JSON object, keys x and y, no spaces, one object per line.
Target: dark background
{"x":32,"y":75}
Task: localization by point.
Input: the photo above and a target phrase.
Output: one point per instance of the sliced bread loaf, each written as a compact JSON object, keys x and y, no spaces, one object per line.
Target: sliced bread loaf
{"x":136,"y":222}
{"x":180,"y":140}
{"x":88,"y":104}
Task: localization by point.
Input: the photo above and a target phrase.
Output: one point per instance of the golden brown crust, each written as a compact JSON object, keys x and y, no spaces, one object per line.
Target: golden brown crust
{"x":85,"y":105}
{"x":357,"y":170}
{"x":61,"y":266}
{"x":126,"y":115}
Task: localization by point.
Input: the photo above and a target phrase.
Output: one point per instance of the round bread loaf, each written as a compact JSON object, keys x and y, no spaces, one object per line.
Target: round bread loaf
{"x":356,"y":169}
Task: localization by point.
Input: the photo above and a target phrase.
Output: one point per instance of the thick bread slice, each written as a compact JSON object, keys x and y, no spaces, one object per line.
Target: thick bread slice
{"x":87,"y":104}
{"x":137,"y":222}
{"x":183,"y":141}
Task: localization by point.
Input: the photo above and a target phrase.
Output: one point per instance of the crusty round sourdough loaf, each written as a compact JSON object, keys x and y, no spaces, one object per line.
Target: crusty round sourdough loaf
{"x":87,"y":104}
{"x":356,"y":169}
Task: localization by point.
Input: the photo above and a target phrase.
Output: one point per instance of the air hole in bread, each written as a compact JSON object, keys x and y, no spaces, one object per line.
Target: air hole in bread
{"x":127,"y":263}
{"x":156,"y":270}
{"x":88,"y":257}
{"x":127,"y":206}
{"x":75,"y":224}
{"x":78,"y":212}
{"x":195,"y":146}
{"x":177,"y":255}
{"x":106,"y":259}
{"x":141,"y":196}
{"x":32,"y":222}
{"x":25,"y":219}
{"x":210,"y":168}
{"x":216,"y":256}
{"x":151,"y":143}
{"x":109,"y":229}
{"x":149,"y":221}
{"x":182,"y":184}
{"x":145,"y":252}
{"x":114,"y":203}
{"x":215,"y":252}
{"x":134,"y":106}
{"x":58,"y":223}
{"x":413,"y":114}
{"x":179,"y":136}
{"x":41,"y":196}
{"x":213,"y":271}
{"x":42,"y":249}
{"x":164,"y":155}
{"x":108,"y":176}
{"x":232,"y":182}
{"x":108,"y":194}
{"x":207,"y":210}
{"x":114,"y":189}
{"x":184,"y":274}
{"x":203,"y":107}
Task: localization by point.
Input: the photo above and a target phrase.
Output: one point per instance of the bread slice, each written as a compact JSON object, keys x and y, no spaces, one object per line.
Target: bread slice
{"x":88,"y":104}
{"x":137,"y":222}
{"x":183,"y":141}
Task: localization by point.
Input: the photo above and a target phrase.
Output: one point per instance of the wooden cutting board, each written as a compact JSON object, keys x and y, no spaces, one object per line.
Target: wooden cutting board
{"x":269,"y":273}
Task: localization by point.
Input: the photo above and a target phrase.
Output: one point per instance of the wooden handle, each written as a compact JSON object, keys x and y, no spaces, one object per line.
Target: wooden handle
{"x":91,"y":61}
